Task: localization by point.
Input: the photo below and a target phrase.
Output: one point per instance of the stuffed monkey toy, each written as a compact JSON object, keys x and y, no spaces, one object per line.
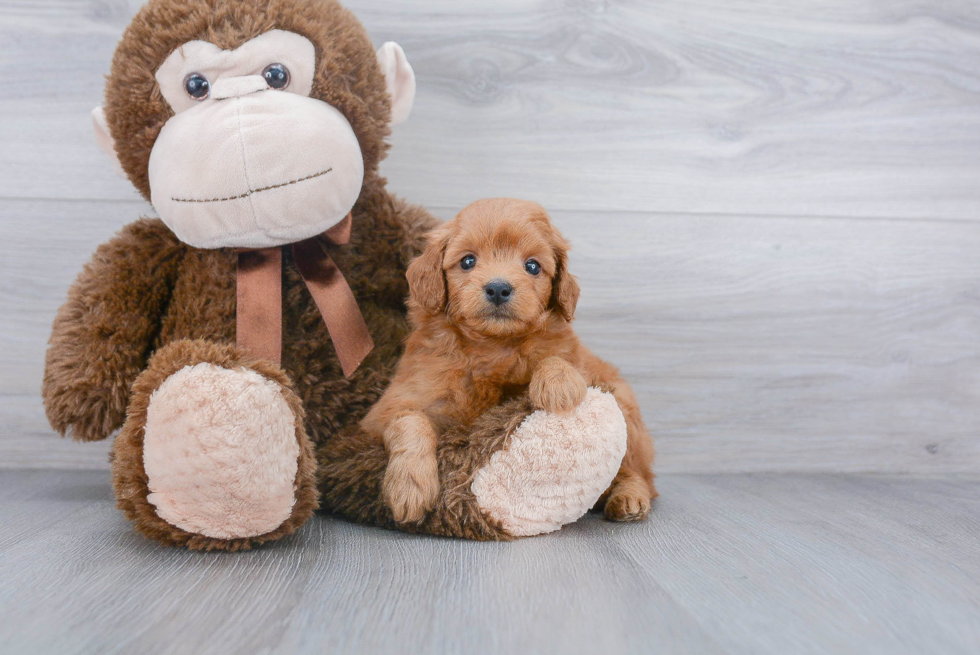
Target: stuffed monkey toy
{"x":236,"y":342}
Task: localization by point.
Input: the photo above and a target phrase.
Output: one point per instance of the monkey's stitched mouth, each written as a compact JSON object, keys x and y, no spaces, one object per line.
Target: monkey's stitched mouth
{"x":254,"y":191}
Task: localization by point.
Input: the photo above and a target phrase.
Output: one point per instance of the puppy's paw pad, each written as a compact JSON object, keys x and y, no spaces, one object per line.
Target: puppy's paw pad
{"x":411,"y":487}
{"x":627,"y":507}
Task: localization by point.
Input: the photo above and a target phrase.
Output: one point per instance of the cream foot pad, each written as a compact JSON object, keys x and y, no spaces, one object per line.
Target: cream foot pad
{"x":220,"y":452}
{"x":555,"y":468}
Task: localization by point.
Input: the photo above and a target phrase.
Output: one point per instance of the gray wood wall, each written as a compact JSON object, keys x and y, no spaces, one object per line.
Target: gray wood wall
{"x":775,"y":207}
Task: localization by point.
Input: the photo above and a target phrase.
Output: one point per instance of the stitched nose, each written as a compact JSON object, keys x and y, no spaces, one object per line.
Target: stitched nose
{"x":498,"y":291}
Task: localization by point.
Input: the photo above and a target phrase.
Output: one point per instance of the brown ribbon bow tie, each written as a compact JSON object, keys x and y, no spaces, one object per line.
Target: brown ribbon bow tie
{"x":259,"y":313}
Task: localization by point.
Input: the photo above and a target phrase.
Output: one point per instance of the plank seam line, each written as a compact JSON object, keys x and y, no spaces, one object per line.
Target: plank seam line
{"x":554,"y":210}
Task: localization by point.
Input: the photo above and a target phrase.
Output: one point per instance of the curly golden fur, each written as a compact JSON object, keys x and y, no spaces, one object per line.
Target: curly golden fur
{"x":473,"y":348}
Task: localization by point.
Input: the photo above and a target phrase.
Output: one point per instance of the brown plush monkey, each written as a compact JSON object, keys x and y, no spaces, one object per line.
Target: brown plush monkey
{"x":218,"y":336}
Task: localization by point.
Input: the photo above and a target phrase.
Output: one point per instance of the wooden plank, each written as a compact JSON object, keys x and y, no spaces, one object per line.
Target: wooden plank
{"x":753,"y":343}
{"x":28,"y":442}
{"x":825,"y":107}
{"x":734,"y":564}
{"x":798,"y":344}
{"x":874,"y":572}
{"x":30,"y":501}
{"x":45,"y":118}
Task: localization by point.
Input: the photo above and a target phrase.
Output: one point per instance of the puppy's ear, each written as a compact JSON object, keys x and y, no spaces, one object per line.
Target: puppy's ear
{"x":564,"y":287}
{"x":426,"y":280}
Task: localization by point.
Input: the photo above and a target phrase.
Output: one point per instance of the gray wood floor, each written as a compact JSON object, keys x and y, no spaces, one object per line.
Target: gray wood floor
{"x":726,"y":564}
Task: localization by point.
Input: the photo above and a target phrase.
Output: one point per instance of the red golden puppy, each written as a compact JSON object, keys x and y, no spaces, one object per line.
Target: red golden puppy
{"x":492,"y":302}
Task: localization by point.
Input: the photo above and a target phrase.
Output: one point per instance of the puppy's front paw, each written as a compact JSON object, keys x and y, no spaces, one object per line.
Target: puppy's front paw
{"x":627,"y":506}
{"x":556,"y":386}
{"x":411,"y":486}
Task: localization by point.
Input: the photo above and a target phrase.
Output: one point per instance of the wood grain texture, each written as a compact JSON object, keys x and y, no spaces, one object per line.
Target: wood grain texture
{"x":817,"y":340}
{"x":754,"y":344}
{"x":28,"y":442}
{"x":724,"y":564}
{"x":823,"y":107}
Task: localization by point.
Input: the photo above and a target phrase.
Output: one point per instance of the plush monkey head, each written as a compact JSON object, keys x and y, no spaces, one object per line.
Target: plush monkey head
{"x":251,"y":123}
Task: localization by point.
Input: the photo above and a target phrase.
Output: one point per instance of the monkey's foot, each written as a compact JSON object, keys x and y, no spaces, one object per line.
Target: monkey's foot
{"x":213,"y":454}
{"x":555,"y":467}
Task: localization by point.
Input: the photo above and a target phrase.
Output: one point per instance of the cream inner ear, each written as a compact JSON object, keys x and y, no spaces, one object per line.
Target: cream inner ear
{"x":399,"y":79}
{"x":293,"y":51}
{"x":104,"y":139}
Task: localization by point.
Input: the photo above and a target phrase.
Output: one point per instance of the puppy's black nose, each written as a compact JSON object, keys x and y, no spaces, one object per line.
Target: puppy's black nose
{"x":498,"y":291}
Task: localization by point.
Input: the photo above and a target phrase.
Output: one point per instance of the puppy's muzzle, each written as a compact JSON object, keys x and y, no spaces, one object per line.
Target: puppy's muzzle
{"x":498,"y":291}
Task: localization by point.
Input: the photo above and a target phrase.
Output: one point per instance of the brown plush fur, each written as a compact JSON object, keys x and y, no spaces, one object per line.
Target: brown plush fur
{"x":148,"y":299}
{"x":467,"y":354}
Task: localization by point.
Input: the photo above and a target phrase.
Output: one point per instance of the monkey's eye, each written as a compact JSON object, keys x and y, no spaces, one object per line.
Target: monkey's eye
{"x":197,"y":86}
{"x":532,"y":266}
{"x":276,"y":76}
{"x":467,"y":262}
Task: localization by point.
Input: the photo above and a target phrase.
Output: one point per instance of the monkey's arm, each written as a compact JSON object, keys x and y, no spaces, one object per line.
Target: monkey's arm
{"x":102,"y":335}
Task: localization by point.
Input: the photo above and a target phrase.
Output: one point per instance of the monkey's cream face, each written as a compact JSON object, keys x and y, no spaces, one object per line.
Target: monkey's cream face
{"x":249,"y":160}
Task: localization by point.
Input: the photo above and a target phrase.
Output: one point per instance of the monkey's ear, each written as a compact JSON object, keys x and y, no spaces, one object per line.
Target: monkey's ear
{"x":104,"y":139}
{"x":400,"y":80}
{"x":426,"y":280}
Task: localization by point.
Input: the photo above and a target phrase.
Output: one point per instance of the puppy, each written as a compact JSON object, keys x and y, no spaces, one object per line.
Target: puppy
{"x":491,"y":300}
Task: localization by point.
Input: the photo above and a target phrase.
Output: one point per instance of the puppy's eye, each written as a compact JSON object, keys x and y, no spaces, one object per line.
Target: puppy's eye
{"x":532,"y":266}
{"x":468,"y":262}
